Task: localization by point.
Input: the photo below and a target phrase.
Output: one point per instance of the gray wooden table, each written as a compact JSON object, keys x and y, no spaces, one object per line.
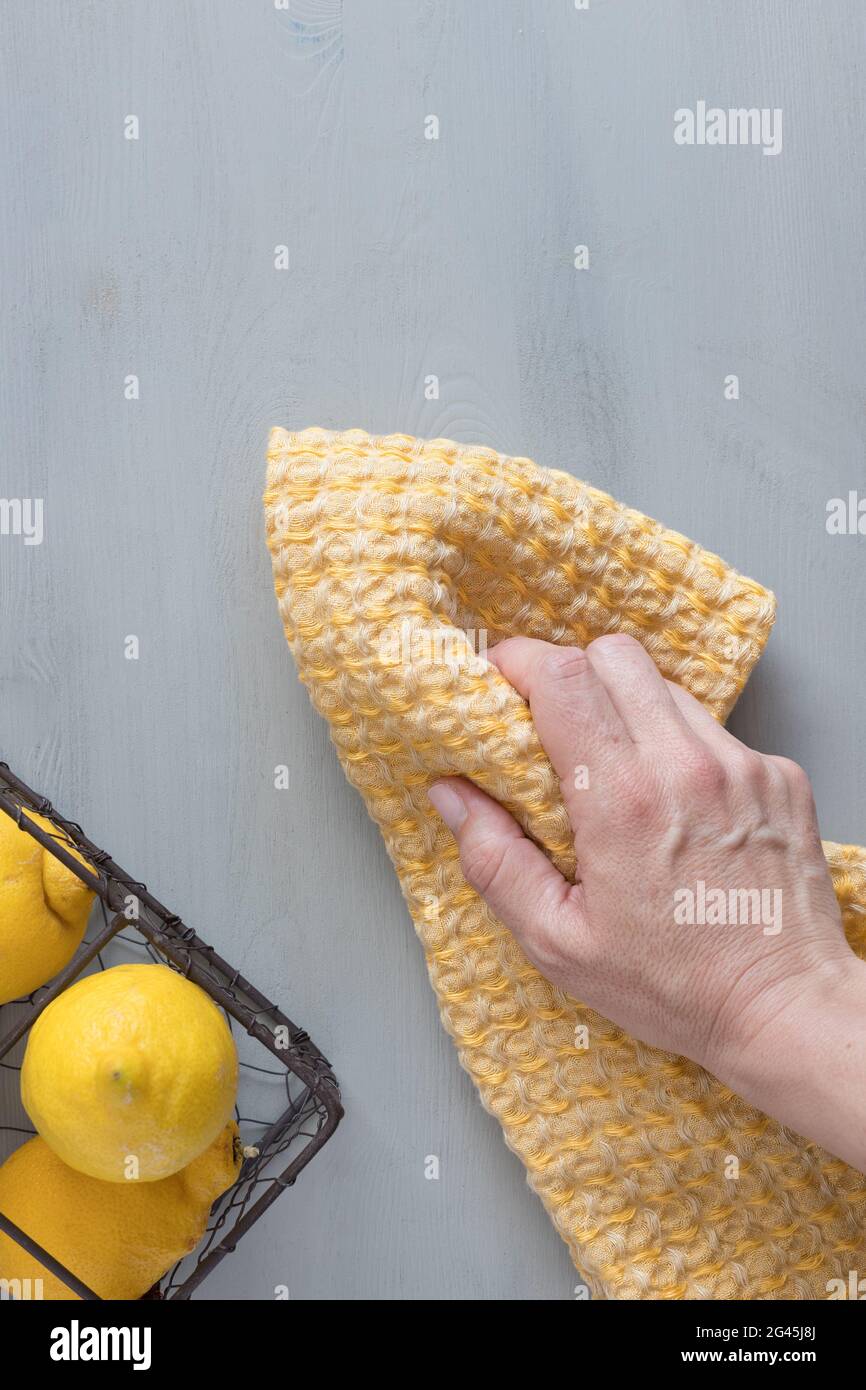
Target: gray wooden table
{"x":408,"y":258}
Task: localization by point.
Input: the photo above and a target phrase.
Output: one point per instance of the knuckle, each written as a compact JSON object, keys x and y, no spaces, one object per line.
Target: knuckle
{"x":750,"y":767}
{"x":795,"y":774}
{"x":565,"y":664}
{"x":640,"y":802}
{"x":796,"y":777}
{"x":483,"y":859}
{"x":704,"y":772}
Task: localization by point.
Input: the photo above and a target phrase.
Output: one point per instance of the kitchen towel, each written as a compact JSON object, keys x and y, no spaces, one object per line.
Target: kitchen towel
{"x":396,"y":561}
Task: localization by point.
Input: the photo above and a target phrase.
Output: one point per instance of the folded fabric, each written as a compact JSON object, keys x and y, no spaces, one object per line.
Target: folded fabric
{"x":395,"y":560}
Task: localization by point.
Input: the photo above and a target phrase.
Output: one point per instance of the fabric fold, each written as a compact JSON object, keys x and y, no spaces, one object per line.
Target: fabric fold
{"x":397,"y":562}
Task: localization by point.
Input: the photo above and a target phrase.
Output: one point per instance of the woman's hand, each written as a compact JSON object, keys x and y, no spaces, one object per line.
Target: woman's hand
{"x":704,"y":920}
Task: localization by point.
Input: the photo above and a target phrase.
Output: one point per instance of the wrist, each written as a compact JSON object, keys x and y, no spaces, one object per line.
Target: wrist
{"x":805,"y":1062}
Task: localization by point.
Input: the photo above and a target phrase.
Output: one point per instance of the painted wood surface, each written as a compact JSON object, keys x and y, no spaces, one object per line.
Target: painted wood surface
{"x":408,"y":258}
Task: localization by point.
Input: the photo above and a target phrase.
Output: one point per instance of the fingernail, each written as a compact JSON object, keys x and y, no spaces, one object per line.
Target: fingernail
{"x":449,"y":803}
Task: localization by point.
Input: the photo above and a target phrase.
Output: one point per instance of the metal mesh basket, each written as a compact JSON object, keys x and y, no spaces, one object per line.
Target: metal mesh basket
{"x":286,"y":1083}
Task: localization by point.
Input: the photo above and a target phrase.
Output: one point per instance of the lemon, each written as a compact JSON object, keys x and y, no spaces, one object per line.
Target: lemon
{"x":130,"y":1073}
{"x":119,"y":1239}
{"x":43,"y":910}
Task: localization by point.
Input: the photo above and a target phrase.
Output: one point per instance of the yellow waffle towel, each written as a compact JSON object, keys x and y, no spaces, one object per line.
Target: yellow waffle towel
{"x":394,"y":560}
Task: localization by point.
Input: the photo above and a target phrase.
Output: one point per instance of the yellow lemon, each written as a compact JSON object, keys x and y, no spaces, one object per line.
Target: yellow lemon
{"x":118,"y":1238}
{"x":43,"y":910}
{"x":130,"y":1073}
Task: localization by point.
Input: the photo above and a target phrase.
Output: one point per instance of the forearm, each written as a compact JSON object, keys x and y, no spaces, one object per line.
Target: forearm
{"x":807,"y":1067}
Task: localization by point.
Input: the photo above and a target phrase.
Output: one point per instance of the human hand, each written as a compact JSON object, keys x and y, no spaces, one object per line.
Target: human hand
{"x":665,"y":800}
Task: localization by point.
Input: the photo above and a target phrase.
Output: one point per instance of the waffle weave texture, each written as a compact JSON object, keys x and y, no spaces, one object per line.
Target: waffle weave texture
{"x":390,"y":555}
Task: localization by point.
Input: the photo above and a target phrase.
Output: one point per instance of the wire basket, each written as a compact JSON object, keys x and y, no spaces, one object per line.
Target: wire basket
{"x":299,"y":1095}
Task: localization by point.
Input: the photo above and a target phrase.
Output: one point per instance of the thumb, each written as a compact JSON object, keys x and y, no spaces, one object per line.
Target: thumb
{"x":516,"y":880}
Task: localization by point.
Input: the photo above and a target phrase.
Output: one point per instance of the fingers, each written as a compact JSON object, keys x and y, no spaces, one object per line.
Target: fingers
{"x":519,"y":884}
{"x":576,"y":721}
{"x":603,"y":715}
{"x":773,"y":781}
{"x":702,"y":723}
{"x":639,"y":691}
{"x":614,"y":679}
